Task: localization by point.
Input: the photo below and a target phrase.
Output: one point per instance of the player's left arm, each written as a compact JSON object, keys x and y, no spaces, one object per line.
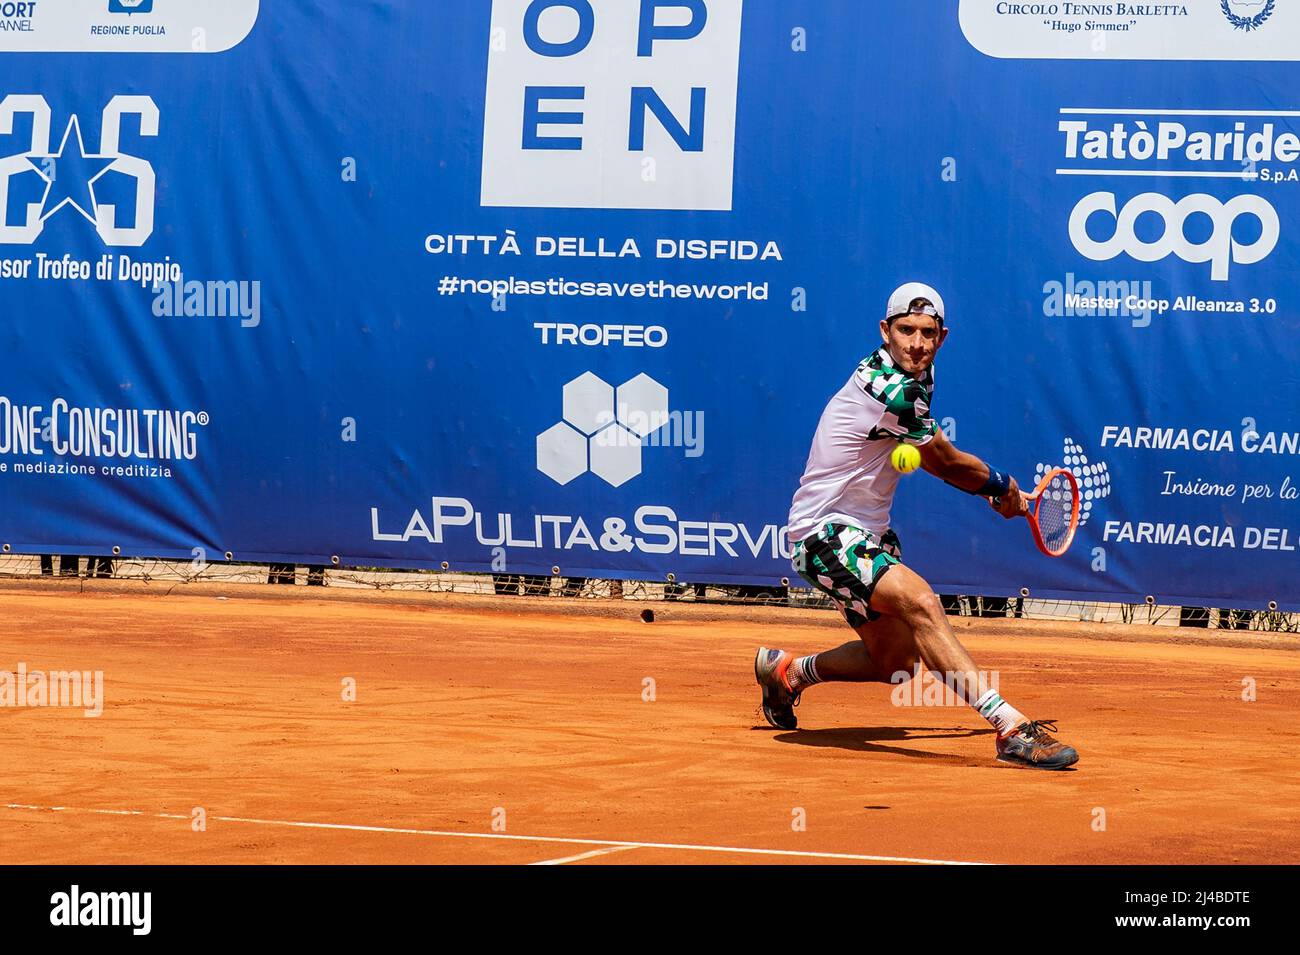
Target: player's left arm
{"x":964,"y":471}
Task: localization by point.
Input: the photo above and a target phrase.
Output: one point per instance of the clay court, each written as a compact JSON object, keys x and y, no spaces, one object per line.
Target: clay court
{"x":531,"y":714}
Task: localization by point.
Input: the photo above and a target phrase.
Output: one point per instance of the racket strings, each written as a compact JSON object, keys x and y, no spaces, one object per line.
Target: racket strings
{"x":1055,"y":513}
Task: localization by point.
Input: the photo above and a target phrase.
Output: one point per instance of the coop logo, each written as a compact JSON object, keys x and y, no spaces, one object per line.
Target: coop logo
{"x":611,"y":104}
{"x":130,"y":6}
{"x":1220,"y":248}
{"x":1247,"y":14}
{"x":70,"y":174}
{"x":1093,"y":477}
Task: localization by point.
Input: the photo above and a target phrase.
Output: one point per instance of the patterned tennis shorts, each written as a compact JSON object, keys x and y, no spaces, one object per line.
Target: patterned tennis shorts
{"x":845,"y":562}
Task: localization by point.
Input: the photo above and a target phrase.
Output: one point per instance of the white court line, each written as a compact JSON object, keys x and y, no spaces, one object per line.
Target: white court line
{"x":1074,"y":110}
{"x":1161,"y":173}
{"x":559,"y":840}
{"x":585,"y":855}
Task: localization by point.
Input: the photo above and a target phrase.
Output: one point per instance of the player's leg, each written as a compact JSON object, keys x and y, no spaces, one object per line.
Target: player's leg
{"x":885,"y":647}
{"x":904,"y":595}
{"x":876,"y":656}
{"x":842,"y":562}
{"x":851,"y":662}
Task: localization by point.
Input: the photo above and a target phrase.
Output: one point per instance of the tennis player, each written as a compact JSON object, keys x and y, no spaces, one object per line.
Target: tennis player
{"x":844,"y":546}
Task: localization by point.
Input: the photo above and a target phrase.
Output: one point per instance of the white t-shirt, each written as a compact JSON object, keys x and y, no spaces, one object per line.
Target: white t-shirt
{"x":848,"y":478}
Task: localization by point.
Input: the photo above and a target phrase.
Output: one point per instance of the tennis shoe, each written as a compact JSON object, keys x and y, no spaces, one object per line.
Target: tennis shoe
{"x":1031,"y":745}
{"x":770,"y":670}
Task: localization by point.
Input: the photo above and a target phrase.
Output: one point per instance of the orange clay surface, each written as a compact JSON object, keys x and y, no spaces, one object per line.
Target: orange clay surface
{"x":532,"y":714}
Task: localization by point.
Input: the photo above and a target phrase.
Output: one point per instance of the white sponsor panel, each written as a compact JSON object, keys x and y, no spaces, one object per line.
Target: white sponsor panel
{"x":611,"y":104}
{"x":124,"y":26}
{"x":1190,"y":30}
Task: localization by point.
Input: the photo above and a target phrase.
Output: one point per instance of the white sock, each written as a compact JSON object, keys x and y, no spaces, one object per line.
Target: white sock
{"x":1002,"y":715}
{"x":803,"y":673}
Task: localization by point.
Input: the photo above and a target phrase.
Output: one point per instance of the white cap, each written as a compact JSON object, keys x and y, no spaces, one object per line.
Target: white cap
{"x":901,"y":301}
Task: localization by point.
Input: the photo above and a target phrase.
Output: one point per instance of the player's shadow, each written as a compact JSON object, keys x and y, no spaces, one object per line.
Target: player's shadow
{"x":875,"y":739}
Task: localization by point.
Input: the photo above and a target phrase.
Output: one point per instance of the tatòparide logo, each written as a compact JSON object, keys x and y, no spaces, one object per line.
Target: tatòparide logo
{"x":611,"y":104}
{"x":69,"y":175}
{"x":1251,"y":146}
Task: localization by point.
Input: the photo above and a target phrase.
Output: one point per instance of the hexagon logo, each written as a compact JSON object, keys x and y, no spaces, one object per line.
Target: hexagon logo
{"x":598,"y":433}
{"x":616,"y":455}
{"x":642,"y":405}
{"x":561,"y":453}
{"x":588,"y":403}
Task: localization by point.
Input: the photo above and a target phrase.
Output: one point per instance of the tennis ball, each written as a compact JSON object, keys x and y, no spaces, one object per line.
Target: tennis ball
{"x":905,"y":458}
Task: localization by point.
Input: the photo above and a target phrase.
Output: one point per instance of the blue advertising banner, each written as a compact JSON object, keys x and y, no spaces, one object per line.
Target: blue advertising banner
{"x":532,"y":284}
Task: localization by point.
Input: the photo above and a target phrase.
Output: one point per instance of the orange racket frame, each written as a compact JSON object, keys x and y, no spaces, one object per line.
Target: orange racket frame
{"x":1037,"y":499}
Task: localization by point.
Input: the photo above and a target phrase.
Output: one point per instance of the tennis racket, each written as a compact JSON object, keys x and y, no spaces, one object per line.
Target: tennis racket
{"x":1054,"y":511}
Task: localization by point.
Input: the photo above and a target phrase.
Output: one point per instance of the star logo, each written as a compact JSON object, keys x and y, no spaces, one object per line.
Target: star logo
{"x":73,"y":176}
{"x":70,"y":176}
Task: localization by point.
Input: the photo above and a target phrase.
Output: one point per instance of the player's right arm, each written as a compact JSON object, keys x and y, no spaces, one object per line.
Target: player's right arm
{"x":964,"y":471}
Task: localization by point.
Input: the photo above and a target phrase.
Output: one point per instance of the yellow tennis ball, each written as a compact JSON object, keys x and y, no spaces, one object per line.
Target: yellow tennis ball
{"x":905,"y":458}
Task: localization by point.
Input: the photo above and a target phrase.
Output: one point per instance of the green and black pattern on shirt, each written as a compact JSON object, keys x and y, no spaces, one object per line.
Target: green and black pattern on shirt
{"x":906,"y":399}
